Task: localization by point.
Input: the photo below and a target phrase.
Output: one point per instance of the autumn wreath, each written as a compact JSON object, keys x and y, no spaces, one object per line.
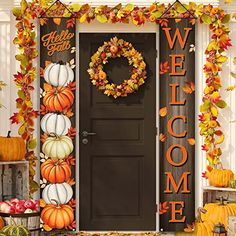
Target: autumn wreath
{"x":112,"y":49}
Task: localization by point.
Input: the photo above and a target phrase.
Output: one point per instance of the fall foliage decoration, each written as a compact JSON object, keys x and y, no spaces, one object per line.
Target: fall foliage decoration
{"x":218,"y":212}
{"x":220,"y":177}
{"x":55,"y":171}
{"x":214,"y":17}
{"x":2,"y":85}
{"x":57,"y":216}
{"x":12,"y":148}
{"x":112,"y":49}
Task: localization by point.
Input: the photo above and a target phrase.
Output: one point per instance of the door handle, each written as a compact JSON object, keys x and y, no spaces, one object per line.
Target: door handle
{"x":86,"y":134}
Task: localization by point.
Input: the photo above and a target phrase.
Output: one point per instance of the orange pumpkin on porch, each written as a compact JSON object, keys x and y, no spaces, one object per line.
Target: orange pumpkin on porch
{"x":12,"y":148}
{"x":57,"y":216}
{"x":55,"y":171}
{"x":58,"y":99}
{"x":2,"y":224}
{"x":220,"y":177}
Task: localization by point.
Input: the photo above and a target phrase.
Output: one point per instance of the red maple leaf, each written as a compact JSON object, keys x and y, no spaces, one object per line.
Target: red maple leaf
{"x":164,"y":67}
{"x":70,"y":23}
{"x":163,"y":208}
{"x":72,"y":86}
{"x":70,"y":160}
{"x":72,"y":132}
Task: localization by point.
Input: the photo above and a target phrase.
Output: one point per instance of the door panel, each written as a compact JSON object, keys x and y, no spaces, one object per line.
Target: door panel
{"x":118,"y":165}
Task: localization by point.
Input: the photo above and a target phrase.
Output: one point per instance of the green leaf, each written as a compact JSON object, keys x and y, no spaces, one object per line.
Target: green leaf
{"x":101,"y":18}
{"x":34,"y":186}
{"x":21,"y":94}
{"x":157,"y":14}
{"x":76,"y":7}
{"x":234,"y":61}
{"x":22,"y":58}
{"x":16,"y":11}
{"x":32,"y":144}
{"x":226,"y":19}
{"x":205,"y":106}
{"x":21,"y":130}
{"x":180,"y":8}
{"x":129,"y":7}
{"x":221,"y":104}
{"x":233,"y":75}
{"x":206,"y":19}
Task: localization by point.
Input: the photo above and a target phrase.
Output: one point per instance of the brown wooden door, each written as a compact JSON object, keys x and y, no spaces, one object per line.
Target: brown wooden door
{"x":118,"y":164}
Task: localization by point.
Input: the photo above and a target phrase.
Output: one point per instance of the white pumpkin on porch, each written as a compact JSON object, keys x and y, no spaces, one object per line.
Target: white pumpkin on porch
{"x":53,"y":123}
{"x":58,"y":74}
{"x":57,"y":193}
{"x":58,"y":147}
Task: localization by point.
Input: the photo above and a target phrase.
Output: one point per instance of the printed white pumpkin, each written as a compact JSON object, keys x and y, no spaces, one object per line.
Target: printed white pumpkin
{"x":58,"y":74}
{"x":58,"y":147}
{"x":60,"y":193}
{"x":57,"y":124}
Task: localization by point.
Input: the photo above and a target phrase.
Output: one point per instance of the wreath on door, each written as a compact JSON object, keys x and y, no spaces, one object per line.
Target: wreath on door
{"x":112,"y":49}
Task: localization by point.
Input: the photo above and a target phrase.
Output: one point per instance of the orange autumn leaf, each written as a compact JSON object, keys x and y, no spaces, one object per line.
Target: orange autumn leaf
{"x":47,"y":87}
{"x":57,"y":20}
{"x":43,"y":21}
{"x":47,"y":63}
{"x":189,"y":87}
{"x":163,"y":111}
{"x":71,"y":182}
{"x":41,"y":72}
{"x":191,"y":141}
{"x":72,"y":132}
{"x":164,"y":67}
{"x":42,"y":203}
{"x":162,"y":137}
{"x":69,"y":113}
{"x":189,"y":228}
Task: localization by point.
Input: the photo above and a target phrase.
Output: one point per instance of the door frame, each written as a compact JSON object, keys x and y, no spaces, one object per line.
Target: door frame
{"x":96,"y":27}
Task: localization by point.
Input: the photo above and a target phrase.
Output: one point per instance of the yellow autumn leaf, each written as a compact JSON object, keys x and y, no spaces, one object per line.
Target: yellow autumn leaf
{"x":83,"y":18}
{"x":42,"y":203}
{"x":191,"y":141}
{"x":231,"y":88}
{"x":220,"y":139}
{"x":214,"y":111}
{"x":163,"y":111}
{"x":46,"y":228}
{"x":221,"y":58}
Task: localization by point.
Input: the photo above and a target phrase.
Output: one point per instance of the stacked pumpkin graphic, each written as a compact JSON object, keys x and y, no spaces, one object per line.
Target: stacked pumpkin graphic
{"x":57,"y":213}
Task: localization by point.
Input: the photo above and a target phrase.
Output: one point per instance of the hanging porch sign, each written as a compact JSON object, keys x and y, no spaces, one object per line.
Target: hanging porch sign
{"x":177,"y":114}
{"x":57,"y":122}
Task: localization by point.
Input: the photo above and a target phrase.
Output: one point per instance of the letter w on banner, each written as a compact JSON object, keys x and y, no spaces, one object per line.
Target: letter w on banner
{"x":57,"y":120}
{"x":177,"y":133}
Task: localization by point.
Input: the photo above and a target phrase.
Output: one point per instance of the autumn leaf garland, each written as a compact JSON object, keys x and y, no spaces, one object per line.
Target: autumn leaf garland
{"x":215,"y":17}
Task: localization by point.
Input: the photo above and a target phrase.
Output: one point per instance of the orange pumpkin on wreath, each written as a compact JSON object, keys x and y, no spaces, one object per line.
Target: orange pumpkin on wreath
{"x":57,"y":216}
{"x":58,"y":99}
{"x":55,"y":171}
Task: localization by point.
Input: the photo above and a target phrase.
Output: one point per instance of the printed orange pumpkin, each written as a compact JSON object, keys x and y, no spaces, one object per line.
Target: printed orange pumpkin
{"x":57,"y":216}
{"x":58,"y":99}
{"x":55,"y":171}
{"x":2,"y":224}
{"x":12,"y":148}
